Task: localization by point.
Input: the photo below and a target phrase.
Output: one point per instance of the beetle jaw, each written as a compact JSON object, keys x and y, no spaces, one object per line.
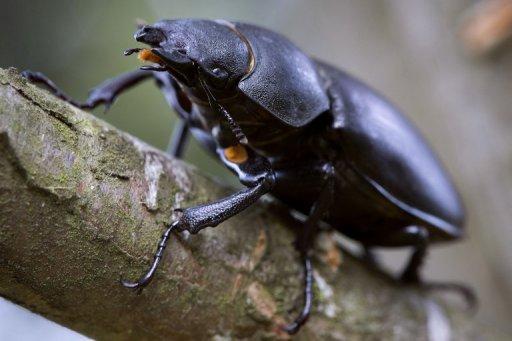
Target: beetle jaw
{"x":160,"y":52}
{"x":170,"y":60}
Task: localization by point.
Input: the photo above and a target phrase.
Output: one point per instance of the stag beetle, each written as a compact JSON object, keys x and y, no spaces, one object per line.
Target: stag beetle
{"x":302,"y":130}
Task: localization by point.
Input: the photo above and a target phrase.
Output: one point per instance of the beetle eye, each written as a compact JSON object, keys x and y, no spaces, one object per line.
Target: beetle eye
{"x":220,"y":73}
{"x":217,"y":77}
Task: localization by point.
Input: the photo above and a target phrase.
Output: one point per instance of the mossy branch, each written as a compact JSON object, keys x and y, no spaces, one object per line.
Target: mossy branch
{"x":82,"y":204}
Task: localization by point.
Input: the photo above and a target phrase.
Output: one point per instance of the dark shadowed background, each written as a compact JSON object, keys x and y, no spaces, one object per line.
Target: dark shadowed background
{"x":410,"y":50}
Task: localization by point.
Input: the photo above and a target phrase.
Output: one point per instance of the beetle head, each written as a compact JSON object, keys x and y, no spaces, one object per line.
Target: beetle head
{"x":195,"y":50}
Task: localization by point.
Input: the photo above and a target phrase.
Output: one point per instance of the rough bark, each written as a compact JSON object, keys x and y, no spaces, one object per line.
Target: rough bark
{"x":82,"y":204}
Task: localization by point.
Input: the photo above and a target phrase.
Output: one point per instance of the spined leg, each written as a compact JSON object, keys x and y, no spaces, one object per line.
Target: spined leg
{"x":305,"y":243}
{"x":195,"y":219}
{"x":105,"y":93}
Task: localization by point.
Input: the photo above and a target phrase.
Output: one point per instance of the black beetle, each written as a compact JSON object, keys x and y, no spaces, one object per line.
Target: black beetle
{"x":311,"y":135}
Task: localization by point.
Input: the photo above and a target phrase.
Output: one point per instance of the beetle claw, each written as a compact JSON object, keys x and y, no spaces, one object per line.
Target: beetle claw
{"x":136,"y":286}
{"x":139,"y":285}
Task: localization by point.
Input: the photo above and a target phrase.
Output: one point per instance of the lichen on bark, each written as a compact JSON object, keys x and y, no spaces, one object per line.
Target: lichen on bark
{"x":82,"y":204}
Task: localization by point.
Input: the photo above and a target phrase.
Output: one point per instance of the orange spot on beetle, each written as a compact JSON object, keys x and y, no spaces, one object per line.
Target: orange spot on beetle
{"x":236,"y":154}
{"x":148,"y":56}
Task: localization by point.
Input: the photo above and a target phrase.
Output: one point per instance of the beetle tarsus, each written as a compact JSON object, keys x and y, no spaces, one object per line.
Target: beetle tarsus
{"x":38,"y":77}
{"x":295,"y":326}
{"x":105,"y":93}
{"x":466,"y":292}
{"x":411,"y":276}
{"x":146,"y":279}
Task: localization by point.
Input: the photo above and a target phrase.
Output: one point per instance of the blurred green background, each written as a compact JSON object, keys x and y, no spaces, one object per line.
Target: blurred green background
{"x":408,"y":49}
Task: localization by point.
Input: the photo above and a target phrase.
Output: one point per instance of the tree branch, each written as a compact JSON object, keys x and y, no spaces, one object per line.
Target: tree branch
{"x":82,"y":204}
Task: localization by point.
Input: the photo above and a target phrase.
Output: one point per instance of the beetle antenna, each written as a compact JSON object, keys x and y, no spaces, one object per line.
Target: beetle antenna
{"x":235,"y":128}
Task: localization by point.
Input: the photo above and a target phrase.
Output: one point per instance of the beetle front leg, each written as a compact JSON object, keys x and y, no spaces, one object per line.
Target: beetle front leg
{"x":195,"y":219}
{"x":178,"y":140}
{"x":109,"y":90}
{"x":144,"y":280}
{"x":105,"y":93}
{"x":182,"y":105}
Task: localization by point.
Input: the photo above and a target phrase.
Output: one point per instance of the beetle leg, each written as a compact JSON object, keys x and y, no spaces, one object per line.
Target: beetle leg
{"x":144,"y":280}
{"x":174,"y":96}
{"x":105,"y":93}
{"x":305,"y":244}
{"x":194,"y":219}
{"x":180,"y":103}
{"x":178,"y":140}
{"x":416,"y":236}
{"x":411,"y":271}
{"x":369,"y":256}
{"x":466,"y":292}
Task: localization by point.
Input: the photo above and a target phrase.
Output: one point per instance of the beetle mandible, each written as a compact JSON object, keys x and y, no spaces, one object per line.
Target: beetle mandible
{"x":286,"y":124}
